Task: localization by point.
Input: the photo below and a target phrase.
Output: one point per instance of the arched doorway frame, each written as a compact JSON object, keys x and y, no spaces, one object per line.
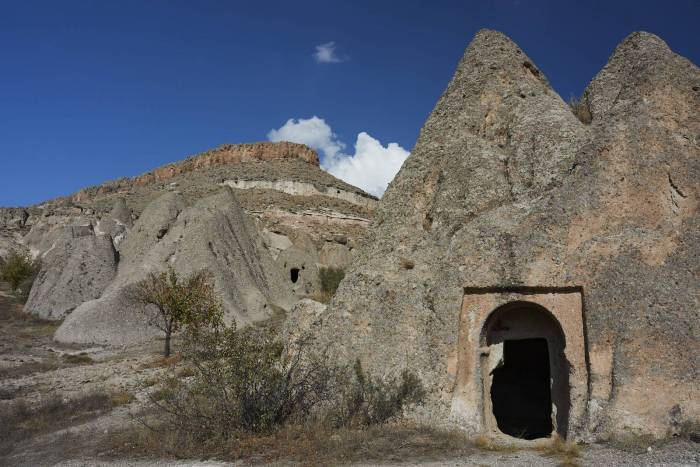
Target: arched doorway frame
{"x":464,"y":364}
{"x":519,"y":320}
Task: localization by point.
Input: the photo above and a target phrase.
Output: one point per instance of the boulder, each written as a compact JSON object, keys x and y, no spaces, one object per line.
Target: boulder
{"x":213,"y":234}
{"x":335,"y":255}
{"x":76,"y":268}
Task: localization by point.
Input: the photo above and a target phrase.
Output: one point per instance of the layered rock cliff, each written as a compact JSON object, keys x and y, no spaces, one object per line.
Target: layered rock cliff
{"x":289,"y":202}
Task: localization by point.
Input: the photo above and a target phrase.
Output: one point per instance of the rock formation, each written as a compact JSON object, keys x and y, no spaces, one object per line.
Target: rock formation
{"x":234,"y":210}
{"x":213,"y":234}
{"x":76,"y":268}
{"x":514,"y":224}
{"x":279,"y":184}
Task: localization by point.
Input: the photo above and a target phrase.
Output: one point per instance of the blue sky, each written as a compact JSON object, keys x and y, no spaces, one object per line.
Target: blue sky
{"x":95,"y":90}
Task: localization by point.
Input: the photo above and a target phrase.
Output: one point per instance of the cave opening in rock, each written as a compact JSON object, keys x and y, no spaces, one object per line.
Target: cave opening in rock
{"x":520,"y":392}
{"x":525,"y":372}
{"x":294,"y":275}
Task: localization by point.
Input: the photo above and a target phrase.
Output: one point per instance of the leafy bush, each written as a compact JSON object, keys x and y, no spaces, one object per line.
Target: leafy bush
{"x":244,"y":381}
{"x":177,"y":301}
{"x":17,"y":270}
{"x":330,"y":279}
{"x":372,"y":402}
{"x":579,"y":106}
{"x":241,"y":380}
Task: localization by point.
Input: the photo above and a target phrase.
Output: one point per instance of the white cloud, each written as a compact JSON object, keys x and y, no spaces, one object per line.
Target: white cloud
{"x":313,"y":132}
{"x":325,"y":53}
{"x":372,"y":166}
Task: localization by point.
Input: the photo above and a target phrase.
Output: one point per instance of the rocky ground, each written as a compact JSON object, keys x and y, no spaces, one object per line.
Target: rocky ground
{"x":99,"y":390}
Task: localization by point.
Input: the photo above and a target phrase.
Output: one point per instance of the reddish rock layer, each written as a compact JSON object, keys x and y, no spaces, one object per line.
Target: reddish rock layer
{"x":231,"y":154}
{"x":223,"y":155}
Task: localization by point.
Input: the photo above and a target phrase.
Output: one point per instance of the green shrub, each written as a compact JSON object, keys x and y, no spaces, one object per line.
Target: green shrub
{"x":189,"y":301}
{"x":241,"y":380}
{"x":244,"y":381}
{"x":17,"y":269}
{"x":330,"y":279}
{"x":372,"y":402}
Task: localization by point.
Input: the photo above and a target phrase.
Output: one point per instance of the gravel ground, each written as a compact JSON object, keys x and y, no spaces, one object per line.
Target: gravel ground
{"x":679,"y":453}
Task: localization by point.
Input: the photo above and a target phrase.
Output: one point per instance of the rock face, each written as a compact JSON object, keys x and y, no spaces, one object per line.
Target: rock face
{"x":213,"y":234}
{"x":280,"y":187}
{"x":513,"y":224}
{"x":76,"y":268}
{"x":279,"y":184}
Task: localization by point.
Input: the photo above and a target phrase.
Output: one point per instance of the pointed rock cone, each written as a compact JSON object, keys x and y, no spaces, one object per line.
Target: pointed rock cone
{"x":508,"y":200}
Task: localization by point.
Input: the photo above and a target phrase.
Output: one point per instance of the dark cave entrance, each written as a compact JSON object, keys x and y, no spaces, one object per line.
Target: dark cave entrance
{"x":294,"y":275}
{"x":525,"y":372}
{"x":520,"y":391}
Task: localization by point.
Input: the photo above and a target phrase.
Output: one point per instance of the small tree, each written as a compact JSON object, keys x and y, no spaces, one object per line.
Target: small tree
{"x":178,"y":301}
{"x":16,"y":270}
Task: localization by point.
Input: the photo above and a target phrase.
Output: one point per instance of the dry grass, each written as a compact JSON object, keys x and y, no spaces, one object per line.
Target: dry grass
{"x":78,"y":359}
{"x":42,"y":366}
{"x":28,"y":368}
{"x":160,"y":394}
{"x":313,"y":444}
{"x":487,"y":444}
{"x":21,"y":419}
{"x":162,"y":362}
{"x":152,"y":381}
{"x":121,"y":398}
{"x":566,"y":452}
{"x":321,"y":297}
{"x":185,"y":372}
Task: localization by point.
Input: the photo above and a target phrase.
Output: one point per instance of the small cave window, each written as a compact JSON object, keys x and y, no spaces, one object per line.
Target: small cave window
{"x":294,"y":275}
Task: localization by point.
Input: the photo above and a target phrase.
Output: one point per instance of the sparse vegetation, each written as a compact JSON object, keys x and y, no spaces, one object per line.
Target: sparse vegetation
{"x":579,"y":106}
{"x":485,"y":443}
{"x":78,"y":359}
{"x":19,"y":270}
{"x":241,"y":381}
{"x":22,"y":419}
{"x":330,"y":280}
{"x":240,"y":392}
{"x":314,"y":444}
{"x":28,"y":368}
{"x":44,"y":365}
{"x":171,"y":302}
{"x":372,"y":402}
{"x":565,"y":451}
{"x":121,"y":398}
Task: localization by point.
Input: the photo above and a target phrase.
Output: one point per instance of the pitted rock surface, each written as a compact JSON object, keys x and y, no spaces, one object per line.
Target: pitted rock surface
{"x":213,"y":234}
{"x":76,"y":268}
{"x":506,"y":188}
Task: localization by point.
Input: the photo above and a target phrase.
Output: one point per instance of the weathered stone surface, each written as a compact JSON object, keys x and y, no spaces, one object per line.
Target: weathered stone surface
{"x":120,"y":212}
{"x":506,"y":192}
{"x":302,"y":319}
{"x":76,"y":268}
{"x":214,"y":234}
{"x":335,"y":254}
{"x":281,"y":184}
{"x":300,"y":270}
